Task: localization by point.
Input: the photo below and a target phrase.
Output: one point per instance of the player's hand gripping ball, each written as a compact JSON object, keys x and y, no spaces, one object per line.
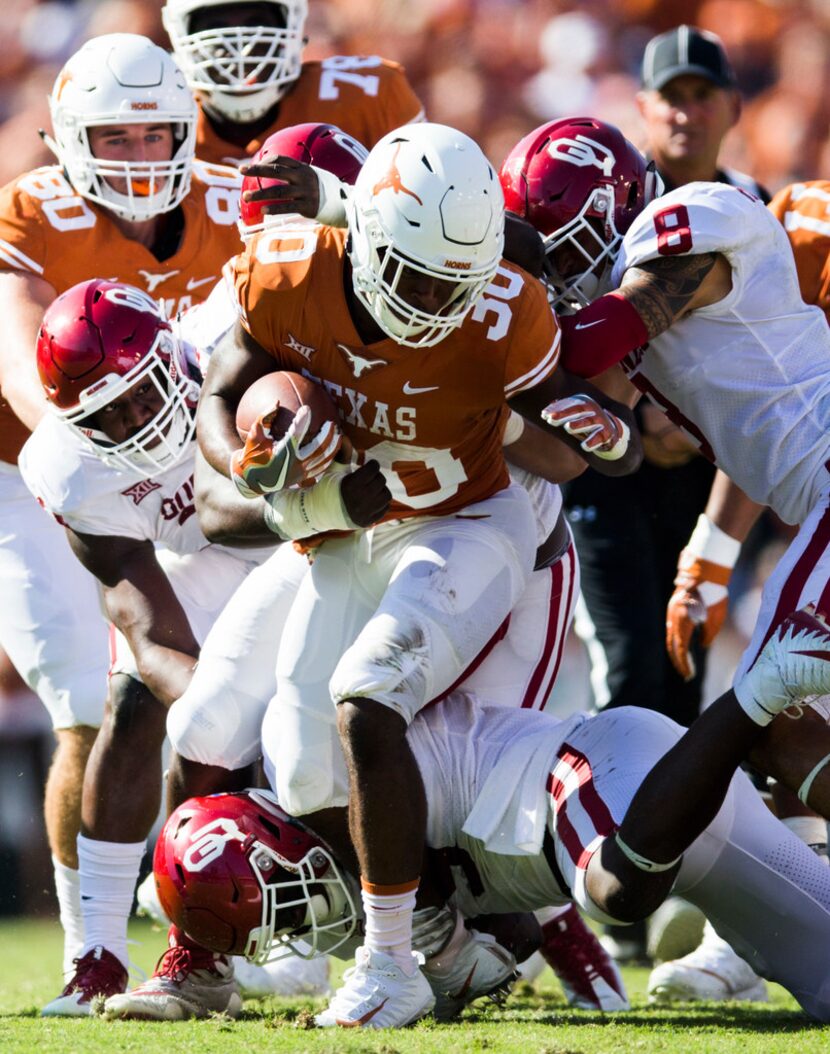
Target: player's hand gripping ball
{"x":291,"y":432}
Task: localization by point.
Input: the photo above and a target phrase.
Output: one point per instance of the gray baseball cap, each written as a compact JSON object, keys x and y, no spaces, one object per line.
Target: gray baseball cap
{"x":685,"y":50}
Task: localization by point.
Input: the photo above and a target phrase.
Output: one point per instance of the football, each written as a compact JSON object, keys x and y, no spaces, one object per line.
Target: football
{"x":290,"y":391}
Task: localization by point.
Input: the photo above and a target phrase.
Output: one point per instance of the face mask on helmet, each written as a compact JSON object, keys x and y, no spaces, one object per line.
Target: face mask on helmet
{"x":323,"y":145}
{"x":101,"y":341}
{"x":581,"y":184}
{"x":426,"y":225}
{"x":118,"y":81}
{"x":240,"y":56}
{"x":240,"y":876}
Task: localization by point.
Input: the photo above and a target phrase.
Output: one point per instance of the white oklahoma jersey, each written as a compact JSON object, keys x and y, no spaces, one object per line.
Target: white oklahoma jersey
{"x":90,"y":497}
{"x":519,"y":803}
{"x":747,"y":377}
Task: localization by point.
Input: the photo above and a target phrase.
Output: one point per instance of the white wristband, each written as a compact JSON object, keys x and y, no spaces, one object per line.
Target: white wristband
{"x":303,"y":512}
{"x":333,"y":198}
{"x":642,"y":862}
{"x":709,"y":542}
{"x":513,"y":429}
{"x":619,"y":448}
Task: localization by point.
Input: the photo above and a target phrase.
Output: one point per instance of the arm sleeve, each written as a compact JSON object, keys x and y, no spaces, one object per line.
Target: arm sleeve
{"x":600,"y":335}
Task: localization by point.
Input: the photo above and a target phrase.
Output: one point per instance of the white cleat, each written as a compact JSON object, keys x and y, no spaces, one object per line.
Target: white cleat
{"x":376,"y":993}
{"x":712,"y":972}
{"x":793,"y":664}
{"x":481,"y":967}
{"x":674,"y":930}
{"x":188,"y":983}
{"x":288,"y":976}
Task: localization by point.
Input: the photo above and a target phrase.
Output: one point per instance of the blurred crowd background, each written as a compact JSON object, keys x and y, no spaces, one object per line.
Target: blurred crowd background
{"x":495,"y":69}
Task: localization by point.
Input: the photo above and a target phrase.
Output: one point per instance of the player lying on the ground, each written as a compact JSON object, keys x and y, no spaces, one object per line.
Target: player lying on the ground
{"x":612,"y":812}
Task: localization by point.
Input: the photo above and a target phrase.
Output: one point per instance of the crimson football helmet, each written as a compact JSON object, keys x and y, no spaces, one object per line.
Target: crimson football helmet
{"x":99,"y":340}
{"x":581,"y":184}
{"x":242,"y":877}
{"x":322,"y":145}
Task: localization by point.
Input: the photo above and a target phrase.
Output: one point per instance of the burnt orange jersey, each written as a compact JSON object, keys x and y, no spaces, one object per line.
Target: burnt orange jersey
{"x":365,"y":96}
{"x":804,"y":209}
{"x":48,"y":230}
{"x":432,"y":417}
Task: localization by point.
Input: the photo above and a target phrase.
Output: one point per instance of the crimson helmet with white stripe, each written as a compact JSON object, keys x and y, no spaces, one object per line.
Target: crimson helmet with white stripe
{"x":323,"y":145}
{"x":98,"y":341}
{"x":242,"y":877}
{"x":581,"y":184}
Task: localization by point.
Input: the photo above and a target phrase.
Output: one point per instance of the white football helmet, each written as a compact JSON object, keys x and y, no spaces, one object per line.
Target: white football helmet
{"x":120,"y":79}
{"x":240,"y":71}
{"x":427,"y":200}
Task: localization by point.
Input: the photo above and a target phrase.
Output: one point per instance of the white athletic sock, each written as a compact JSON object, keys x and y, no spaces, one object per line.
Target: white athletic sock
{"x":546,"y":915}
{"x":109,"y":872}
{"x":68,"y":889}
{"x":388,"y":920}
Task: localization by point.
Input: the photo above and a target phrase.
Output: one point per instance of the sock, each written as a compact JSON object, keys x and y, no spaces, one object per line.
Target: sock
{"x":109,"y":872}
{"x":388,"y":911}
{"x":442,"y":962}
{"x":812,"y":830}
{"x":68,"y":889}
{"x":546,"y":915}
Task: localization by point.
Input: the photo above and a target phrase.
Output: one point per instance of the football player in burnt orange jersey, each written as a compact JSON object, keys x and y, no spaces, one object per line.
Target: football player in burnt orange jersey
{"x":420,"y":332}
{"x":243,"y":59}
{"x":804,"y":209}
{"x":125,"y":200}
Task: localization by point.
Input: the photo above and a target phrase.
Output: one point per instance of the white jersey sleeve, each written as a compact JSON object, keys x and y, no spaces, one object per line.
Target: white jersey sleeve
{"x":693,"y":219}
{"x":745,"y":377}
{"x":202,"y":326}
{"x":91,"y":497}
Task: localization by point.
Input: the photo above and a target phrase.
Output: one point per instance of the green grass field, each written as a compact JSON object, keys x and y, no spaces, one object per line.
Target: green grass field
{"x":533,"y":1021}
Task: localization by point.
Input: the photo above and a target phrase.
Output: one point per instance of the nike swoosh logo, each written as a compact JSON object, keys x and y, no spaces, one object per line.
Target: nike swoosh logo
{"x":579,"y":325}
{"x":365,"y":1019}
{"x":408,"y":389}
{"x":465,"y":987}
{"x":194,"y":283}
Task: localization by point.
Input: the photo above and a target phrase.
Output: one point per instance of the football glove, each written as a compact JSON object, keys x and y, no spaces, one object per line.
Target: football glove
{"x":700,"y":598}
{"x":605,"y":435}
{"x":264,"y":464}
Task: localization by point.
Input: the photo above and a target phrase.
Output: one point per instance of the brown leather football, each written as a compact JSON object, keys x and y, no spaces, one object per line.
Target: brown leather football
{"x":290,"y":391}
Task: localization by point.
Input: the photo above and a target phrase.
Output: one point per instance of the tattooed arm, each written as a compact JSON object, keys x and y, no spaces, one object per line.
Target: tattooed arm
{"x":665,"y":290}
{"x":651,"y":297}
